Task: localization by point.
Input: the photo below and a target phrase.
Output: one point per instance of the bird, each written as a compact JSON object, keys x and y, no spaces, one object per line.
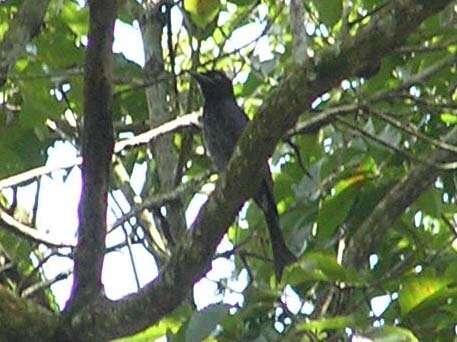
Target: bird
{"x":223,"y":123}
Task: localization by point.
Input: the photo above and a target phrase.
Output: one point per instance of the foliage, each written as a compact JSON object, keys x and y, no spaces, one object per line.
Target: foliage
{"x":327,"y":181}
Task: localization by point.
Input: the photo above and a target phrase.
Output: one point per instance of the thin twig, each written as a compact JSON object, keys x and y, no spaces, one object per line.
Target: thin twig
{"x":141,"y":139}
{"x":442,"y":166}
{"x":369,"y":13}
{"x":408,"y":129}
{"x":158,"y":200}
{"x":425,"y":49}
{"x":29,"y":233}
{"x":170,"y":126}
{"x":451,"y":224}
{"x":35,"y":270}
{"x":128,"y":244}
{"x":35,"y":202}
{"x":417,"y":78}
{"x":45,"y":284}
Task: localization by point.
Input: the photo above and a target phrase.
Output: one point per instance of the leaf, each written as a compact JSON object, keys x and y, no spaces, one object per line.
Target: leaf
{"x":382,"y":77}
{"x":154,"y":332}
{"x":333,"y":323}
{"x":169,"y":325}
{"x":334,"y":211}
{"x":390,"y":135}
{"x":309,"y":186}
{"x":430,"y":203}
{"x":58,"y":48}
{"x":419,"y":289}
{"x":390,"y":334}
{"x":252,"y":83}
{"x":76,"y":18}
{"x":318,"y":266}
{"x":38,"y":104}
{"x":202,"y":12}
{"x":18,"y":250}
{"x":449,"y":118}
{"x":129,"y":10}
{"x":20,"y":149}
{"x":242,"y":2}
{"x":203,"y":322}
{"x":329,"y":11}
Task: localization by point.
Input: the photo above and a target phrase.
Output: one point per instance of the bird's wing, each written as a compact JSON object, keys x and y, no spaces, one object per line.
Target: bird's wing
{"x":237,"y":119}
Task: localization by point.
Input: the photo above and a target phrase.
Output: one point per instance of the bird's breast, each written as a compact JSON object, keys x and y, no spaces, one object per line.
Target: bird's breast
{"x":223,"y":123}
{"x":218,"y":140}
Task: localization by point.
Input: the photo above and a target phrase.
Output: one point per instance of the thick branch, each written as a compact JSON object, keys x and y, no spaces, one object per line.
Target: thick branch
{"x":23,"y":28}
{"x":297,"y":26}
{"x":97,"y":149}
{"x":300,"y":87}
{"x":21,"y":320}
{"x":163,"y":148}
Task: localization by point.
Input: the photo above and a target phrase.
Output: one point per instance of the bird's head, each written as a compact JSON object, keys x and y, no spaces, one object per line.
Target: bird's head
{"x":214,"y":84}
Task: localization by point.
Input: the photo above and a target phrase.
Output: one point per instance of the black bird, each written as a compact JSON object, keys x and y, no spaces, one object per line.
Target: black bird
{"x":223,"y":123}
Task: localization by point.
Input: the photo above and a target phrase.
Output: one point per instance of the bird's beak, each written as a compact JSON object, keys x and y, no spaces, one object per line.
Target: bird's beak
{"x":202,"y":79}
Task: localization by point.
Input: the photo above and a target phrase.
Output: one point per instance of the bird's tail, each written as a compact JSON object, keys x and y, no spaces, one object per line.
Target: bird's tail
{"x":281,"y":254}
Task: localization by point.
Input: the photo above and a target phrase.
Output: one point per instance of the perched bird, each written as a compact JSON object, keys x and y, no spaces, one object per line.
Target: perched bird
{"x":223,"y":123}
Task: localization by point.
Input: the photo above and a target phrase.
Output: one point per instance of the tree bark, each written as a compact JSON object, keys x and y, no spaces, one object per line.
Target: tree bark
{"x":97,"y":150}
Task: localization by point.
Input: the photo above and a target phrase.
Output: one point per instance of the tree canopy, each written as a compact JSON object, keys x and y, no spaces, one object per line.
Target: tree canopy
{"x":352,"y":102}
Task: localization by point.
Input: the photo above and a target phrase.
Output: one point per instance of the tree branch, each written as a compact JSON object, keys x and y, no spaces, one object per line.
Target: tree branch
{"x":97,"y":149}
{"x":31,"y":174}
{"x":163,"y":149}
{"x":34,"y":323}
{"x":408,"y":128}
{"x":28,"y":233}
{"x":138,"y":140}
{"x":160,"y":199}
{"x":430,"y":163}
{"x":167,"y":127}
{"x":297,"y":26}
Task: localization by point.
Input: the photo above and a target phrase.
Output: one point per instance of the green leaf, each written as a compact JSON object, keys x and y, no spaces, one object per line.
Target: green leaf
{"x":316,"y":266}
{"x":252,"y":83}
{"x":129,"y":10}
{"x":242,"y":2}
{"x":333,"y":323}
{"x":203,"y":322}
{"x":76,"y":18}
{"x":430,"y":203}
{"x":58,"y":48}
{"x":449,"y":118}
{"x":329,"y":11}
{"x":202,"y":12}
{"x":419,"y":289}
{"x":391,"y":334}
{"x":20,"y":149}
{"x":155,"y":332}
{"x":38,"y":104}
{"x":18,"y":250}
{"x":334,"y":211}
{"x":169,"y":325}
